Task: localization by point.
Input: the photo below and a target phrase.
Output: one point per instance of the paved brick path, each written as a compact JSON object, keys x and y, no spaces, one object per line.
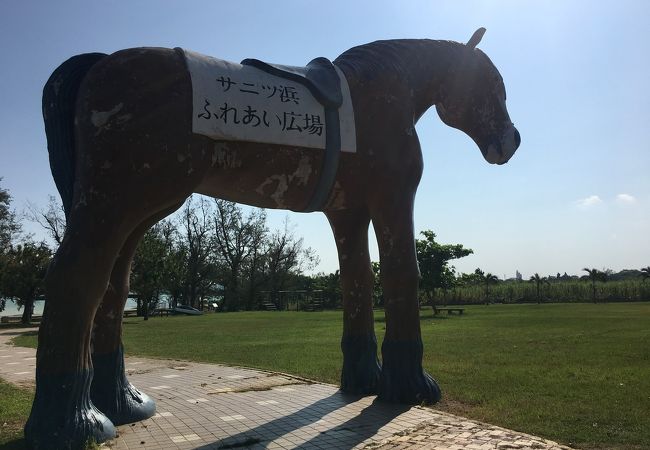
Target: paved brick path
{"x":210,"y":406}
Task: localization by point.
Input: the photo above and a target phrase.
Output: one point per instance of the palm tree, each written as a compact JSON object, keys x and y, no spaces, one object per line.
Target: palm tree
{"x":645,"y":273}
{"x":594,"y":275}
{"x":538,"y":282}
{"x":481,"y":277}
{"x":489,"y":279}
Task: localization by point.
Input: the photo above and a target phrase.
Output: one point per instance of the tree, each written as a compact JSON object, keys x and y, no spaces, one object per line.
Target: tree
{"x":486,"y":279}
{"x":175,"y":262}
{"x":594,"y":275}
{"x":645,"y":273}
{"x":256,"y":260}
{"x":148,"y":269}
{"x":286,"y":257}
{"x":330,"y":285}
{"x":51,"y":218}
{"x":8,"y":225}
{"x":23,"y":274}
{"x":605,"y":275}
{"x":433,"y":260}
{"x":489,"y":279}
{"x":377,"y":289}
{"x":238,"y":242}
{"x":195,"y":243}
{"x":469,"y":279}
{"x":538,"y":282}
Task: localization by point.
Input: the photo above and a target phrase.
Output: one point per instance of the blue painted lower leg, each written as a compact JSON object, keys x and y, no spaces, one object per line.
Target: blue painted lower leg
{"x":63,"y":416}
{"x":361,"y":369}
{"x":112,"y":393}
{"x":402,"y":378}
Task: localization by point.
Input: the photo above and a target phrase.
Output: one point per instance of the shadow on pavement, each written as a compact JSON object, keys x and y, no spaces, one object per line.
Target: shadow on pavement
{"x":344,"y":435}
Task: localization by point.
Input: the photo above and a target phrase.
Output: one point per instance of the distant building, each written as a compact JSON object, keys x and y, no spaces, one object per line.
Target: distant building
{"x":518,"y":275}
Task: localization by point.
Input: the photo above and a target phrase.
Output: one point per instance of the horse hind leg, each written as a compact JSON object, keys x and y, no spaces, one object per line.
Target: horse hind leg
{"x":111,"y":391}
{"x":63,"y":415}
{"x":360,"y":374}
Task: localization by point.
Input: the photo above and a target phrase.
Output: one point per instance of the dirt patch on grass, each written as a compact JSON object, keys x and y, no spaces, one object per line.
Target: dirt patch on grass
{"x":30,"y":385}
{"x":253,"y":388}
{"x":265,"y":387}
{"x":11,"y":436}
{"x":177,"y":366}
{"x":455,"y":407}
{"x":138,"y":371}
{"x":12,"y":429}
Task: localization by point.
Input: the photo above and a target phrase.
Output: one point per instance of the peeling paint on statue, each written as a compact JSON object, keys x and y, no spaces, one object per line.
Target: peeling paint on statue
{"x":280,"y":189}
{"x":337,"y":197}
{"x":224,"y":157}
{"x":303,"y":171}
{"x":100,"y":118}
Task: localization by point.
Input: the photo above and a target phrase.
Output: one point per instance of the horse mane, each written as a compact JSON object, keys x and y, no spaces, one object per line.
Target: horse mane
{"x":401,"y":57}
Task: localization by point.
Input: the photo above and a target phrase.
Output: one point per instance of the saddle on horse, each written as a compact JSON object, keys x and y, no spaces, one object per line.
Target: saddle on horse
{"x":319,"y":76}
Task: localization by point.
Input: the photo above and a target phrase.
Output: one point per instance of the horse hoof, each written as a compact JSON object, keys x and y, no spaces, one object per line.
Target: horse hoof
{"x":402,"y":378}
{"x":411,"y":389}
{"x":361,"y":368}
{"x":132,"y":406}
{"x":63,"y":417}
{"x":112,"y":393}
{"x":79,"y":432}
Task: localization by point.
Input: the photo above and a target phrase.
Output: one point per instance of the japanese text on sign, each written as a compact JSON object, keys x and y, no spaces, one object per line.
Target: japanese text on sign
{"x":239,"y":102}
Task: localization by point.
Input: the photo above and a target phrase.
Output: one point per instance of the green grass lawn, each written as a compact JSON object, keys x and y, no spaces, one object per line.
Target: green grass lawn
{"x":15,"y":404}
{"x":576,"y":373}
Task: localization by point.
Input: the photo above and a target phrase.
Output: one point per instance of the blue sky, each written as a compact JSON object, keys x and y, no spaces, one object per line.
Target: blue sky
{"x":576,"y":194}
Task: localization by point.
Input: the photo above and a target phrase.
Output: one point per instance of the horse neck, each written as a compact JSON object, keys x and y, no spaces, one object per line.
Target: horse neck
{"x":426,"y":66}
{"x":418,"y":66}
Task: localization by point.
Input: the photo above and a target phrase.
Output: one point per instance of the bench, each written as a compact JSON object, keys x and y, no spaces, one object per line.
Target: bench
{"x":437,"y":311}
{"x":18,"y":319}
{"x":162,"y":312}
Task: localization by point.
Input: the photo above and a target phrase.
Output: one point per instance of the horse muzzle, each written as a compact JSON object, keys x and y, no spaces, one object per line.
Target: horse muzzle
{"x":499,"y":151}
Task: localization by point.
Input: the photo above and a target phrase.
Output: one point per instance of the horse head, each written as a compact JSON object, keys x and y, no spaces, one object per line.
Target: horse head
{"x":473,"y":100}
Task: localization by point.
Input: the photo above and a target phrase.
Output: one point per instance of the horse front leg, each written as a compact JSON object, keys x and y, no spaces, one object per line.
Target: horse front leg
{"x":360,"y":374}
{"x":402,"y":378}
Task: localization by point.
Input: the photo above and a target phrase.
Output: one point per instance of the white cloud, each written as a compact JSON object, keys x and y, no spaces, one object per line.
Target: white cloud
{"x":625,"y":199}
{"x":588,"y":202}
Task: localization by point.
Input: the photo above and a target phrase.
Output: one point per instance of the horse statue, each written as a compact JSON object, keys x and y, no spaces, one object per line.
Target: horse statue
{"x":124,"y":155}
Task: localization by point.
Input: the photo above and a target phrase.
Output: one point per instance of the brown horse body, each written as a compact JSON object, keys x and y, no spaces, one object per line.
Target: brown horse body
{"x":136,"y":160}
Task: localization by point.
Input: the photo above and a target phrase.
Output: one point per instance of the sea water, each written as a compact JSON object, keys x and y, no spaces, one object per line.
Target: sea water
{"x":11,"y":309}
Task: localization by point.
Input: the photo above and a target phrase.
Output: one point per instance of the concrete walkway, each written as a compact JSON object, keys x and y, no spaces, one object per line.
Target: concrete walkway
{"x":210,"y":406}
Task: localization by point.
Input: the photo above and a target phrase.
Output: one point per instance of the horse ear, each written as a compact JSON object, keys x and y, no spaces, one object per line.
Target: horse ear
{"x":476,"y":38}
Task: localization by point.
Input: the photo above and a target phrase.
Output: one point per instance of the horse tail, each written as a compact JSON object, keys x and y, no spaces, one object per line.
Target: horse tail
{"x":59,"y":100}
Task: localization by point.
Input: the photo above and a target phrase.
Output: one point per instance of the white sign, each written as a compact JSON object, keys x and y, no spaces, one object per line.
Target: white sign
{"x":238,"y":102}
